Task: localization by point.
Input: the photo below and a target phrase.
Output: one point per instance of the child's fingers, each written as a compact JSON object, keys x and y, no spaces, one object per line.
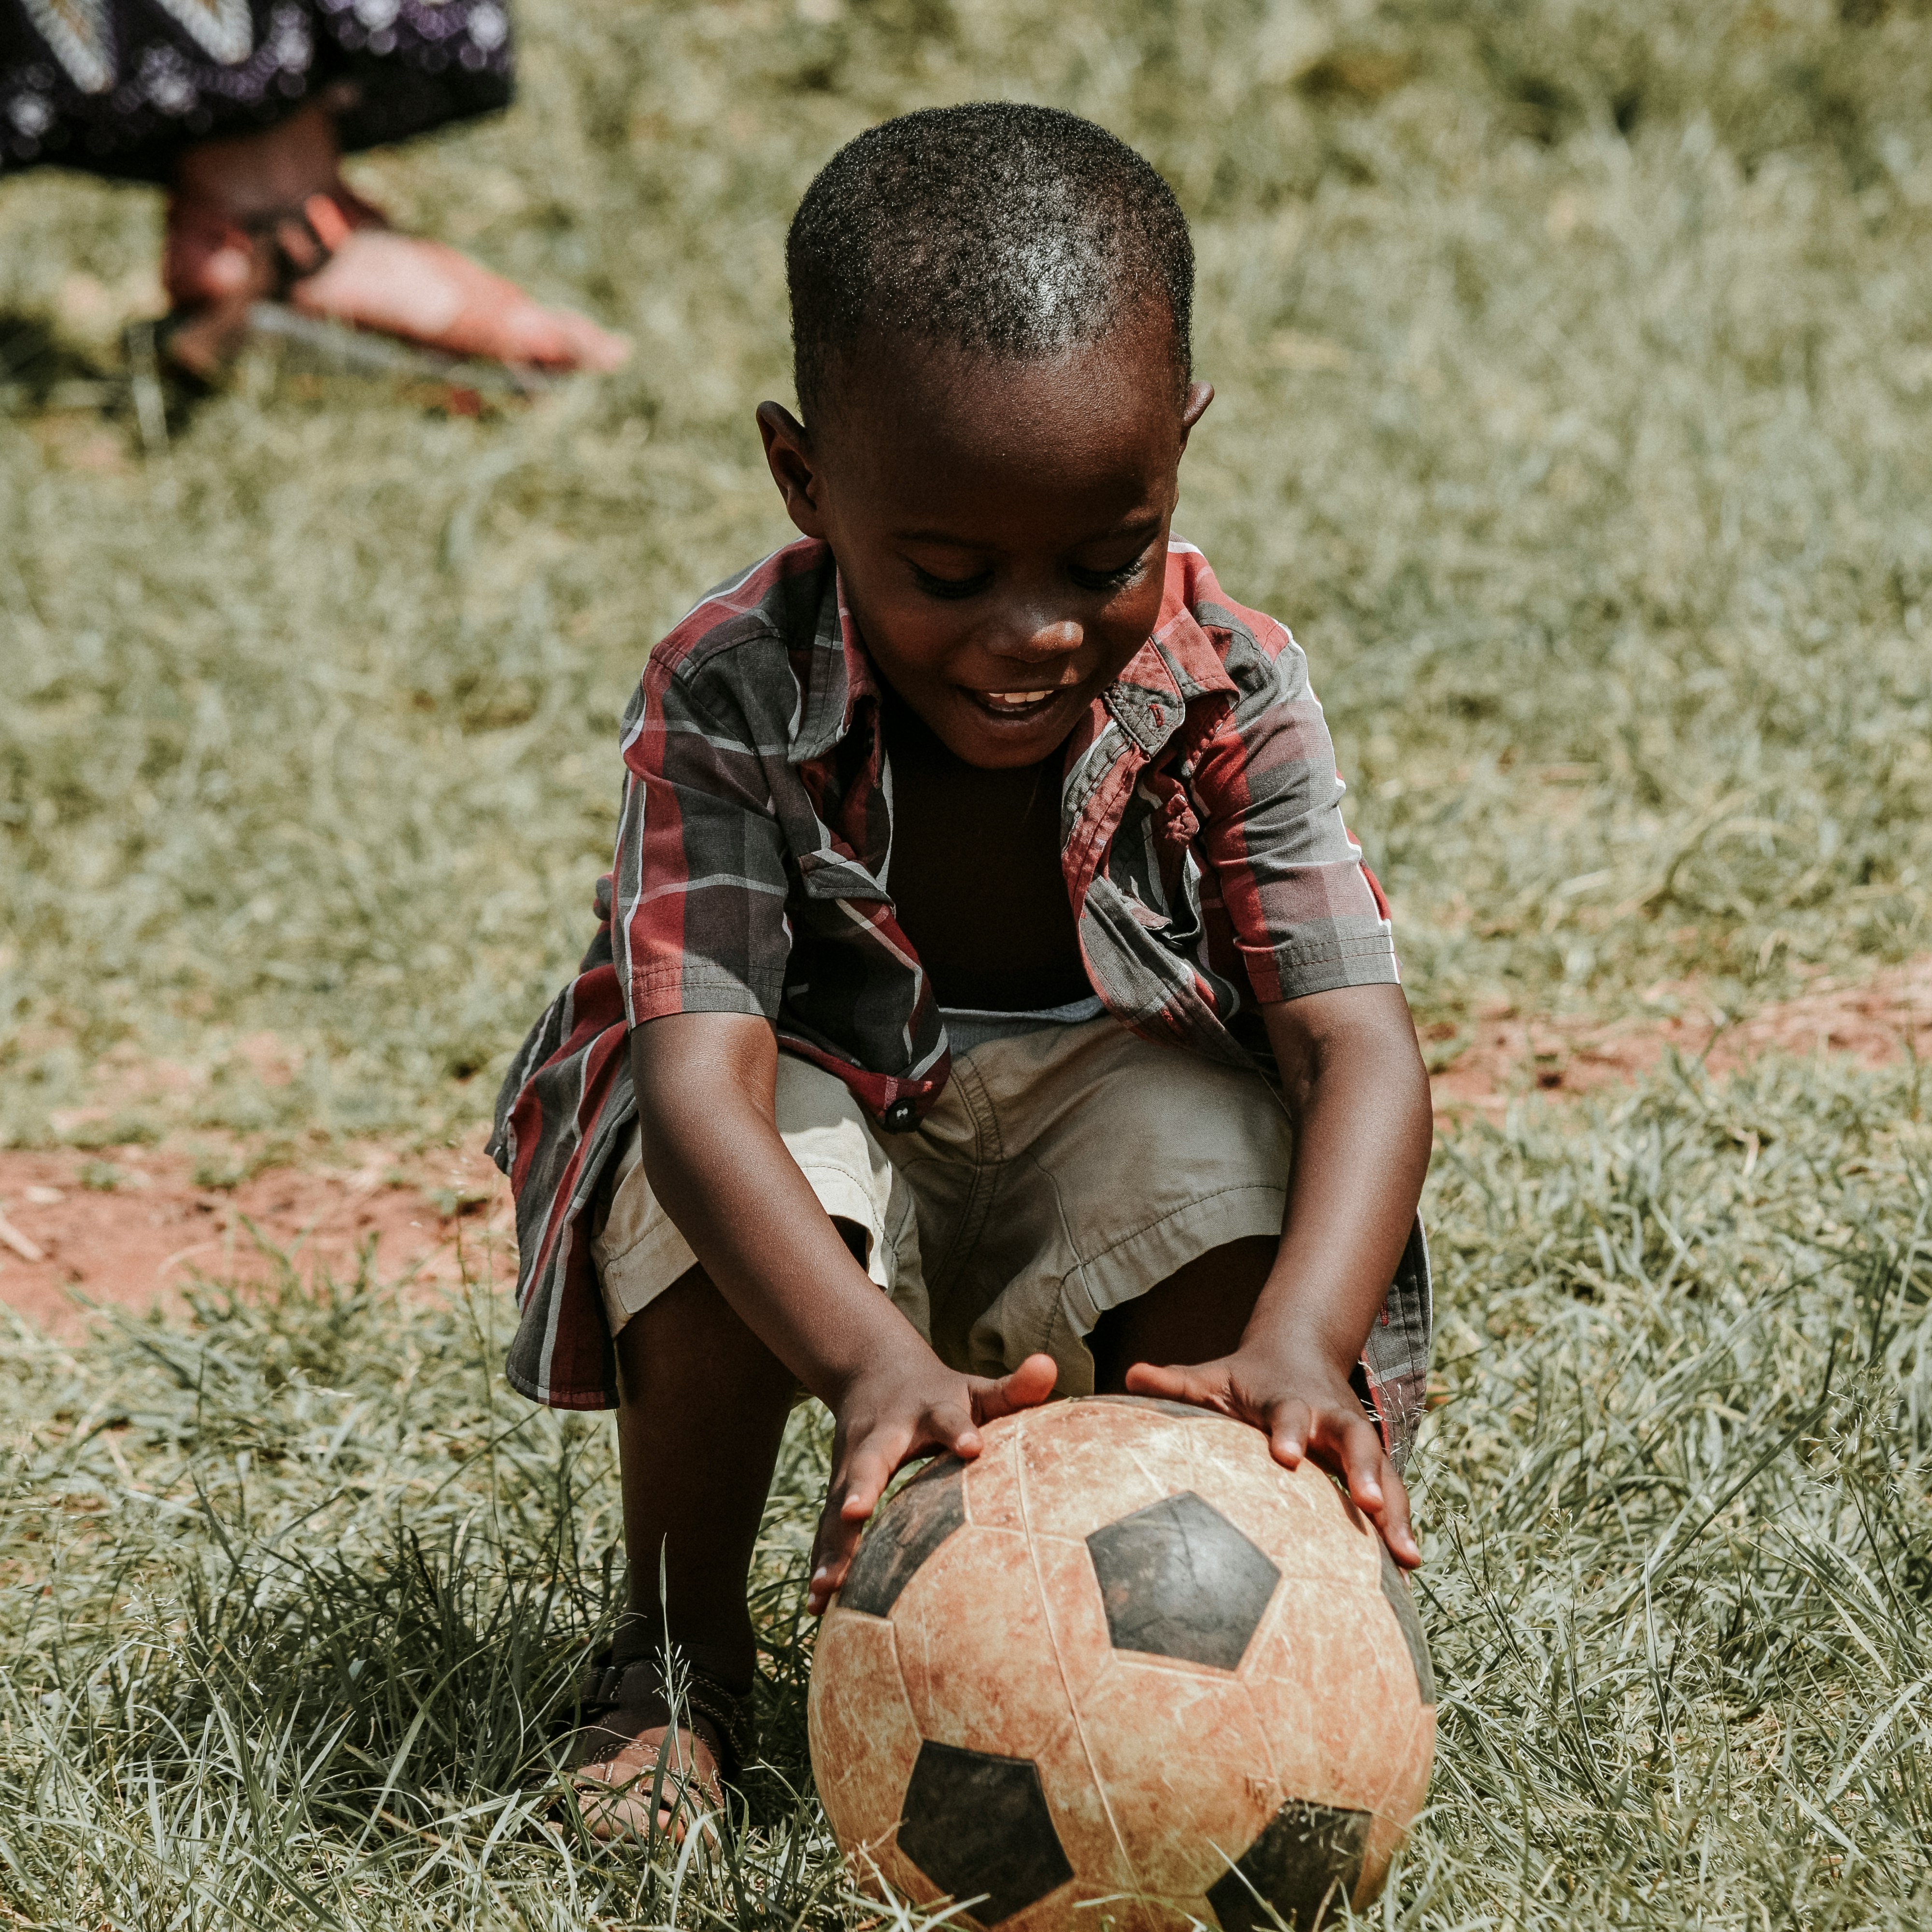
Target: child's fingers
{"x":858,"y":1479}
{"x":1362,"y":1460}
{"x":831,"y":1556}
{"x":1373,"y":1486}
{"x":1178,"y":1385}
{"x":1288,"y":1432}
{"x":832,"y":1552}
{"x":856,"y":1486}
{"x":1027,"y":1386}
{"x":1397,"y":1530}
{"x":868,"y":1470}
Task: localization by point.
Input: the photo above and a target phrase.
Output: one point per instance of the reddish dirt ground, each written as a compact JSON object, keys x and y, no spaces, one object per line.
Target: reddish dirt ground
{"x":1871,"y":1022}
{"x":65,"y":1242}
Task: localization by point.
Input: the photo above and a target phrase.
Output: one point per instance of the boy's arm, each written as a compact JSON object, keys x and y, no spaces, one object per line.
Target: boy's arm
{"x":1356,"y":1090}
{"x":714,"y":1160}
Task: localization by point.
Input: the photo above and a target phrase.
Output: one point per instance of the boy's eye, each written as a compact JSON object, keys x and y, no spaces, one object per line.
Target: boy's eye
{"x":1109,"y":579}
{"x":951,"y":586}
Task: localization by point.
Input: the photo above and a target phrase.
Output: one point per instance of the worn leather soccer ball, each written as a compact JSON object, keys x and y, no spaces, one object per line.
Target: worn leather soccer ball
{"x":1123,"y":1655}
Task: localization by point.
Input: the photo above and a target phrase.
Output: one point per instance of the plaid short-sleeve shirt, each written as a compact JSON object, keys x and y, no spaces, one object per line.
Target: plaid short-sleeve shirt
{"x":1206,"y":860}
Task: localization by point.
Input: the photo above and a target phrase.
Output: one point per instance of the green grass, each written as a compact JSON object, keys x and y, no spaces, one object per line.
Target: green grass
{"x":1575,"y":367}
{"x":292,"y":1591}
{"x":1590,"y":469}
{"x":302,"y":1670}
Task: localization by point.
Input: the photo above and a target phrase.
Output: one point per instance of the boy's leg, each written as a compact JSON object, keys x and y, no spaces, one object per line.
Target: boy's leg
{"x":1196,"y":1315}
{"x":703,"y":1407}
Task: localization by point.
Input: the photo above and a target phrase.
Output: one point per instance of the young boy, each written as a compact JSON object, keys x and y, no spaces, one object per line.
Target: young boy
{"x":990,"y":1002}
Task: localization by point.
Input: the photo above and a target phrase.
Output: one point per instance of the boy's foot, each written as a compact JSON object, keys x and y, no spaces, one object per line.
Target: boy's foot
{"x":614,"y":1795}
{"x":634,"y":1772}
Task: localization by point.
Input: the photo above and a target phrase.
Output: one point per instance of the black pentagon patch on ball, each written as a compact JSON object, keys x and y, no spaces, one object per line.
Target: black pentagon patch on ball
{"x":975,"y":1823}
{"x":1305,"y":1865}
{"x":1179,"y":1580}
{"x":1396,"y":1590}
{"x":903,"y":1534}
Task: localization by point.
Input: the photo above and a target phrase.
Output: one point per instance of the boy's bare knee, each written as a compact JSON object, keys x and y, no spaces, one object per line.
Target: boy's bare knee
{"x":691,"y":1336}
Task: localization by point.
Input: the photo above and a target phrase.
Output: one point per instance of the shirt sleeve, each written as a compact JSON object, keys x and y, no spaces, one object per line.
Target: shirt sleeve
{"x":699,"y":883}
{"x":1306,"y":916}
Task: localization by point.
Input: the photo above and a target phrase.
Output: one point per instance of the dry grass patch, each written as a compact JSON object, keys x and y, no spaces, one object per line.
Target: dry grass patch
{"x":1575,"y":407}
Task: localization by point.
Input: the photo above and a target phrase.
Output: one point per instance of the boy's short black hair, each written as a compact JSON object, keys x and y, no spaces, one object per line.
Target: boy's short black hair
{"x":1012,"y":230}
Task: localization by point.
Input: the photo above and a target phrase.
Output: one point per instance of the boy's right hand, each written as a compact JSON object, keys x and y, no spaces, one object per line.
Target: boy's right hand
{"x":706,"y":1085}
{"x":890,"y":1415}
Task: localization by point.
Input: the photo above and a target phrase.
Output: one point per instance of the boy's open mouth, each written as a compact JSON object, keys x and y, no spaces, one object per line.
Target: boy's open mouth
{"x":1014,"y":703}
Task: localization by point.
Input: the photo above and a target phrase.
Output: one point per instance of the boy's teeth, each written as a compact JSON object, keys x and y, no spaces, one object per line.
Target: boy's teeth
{"x":1017,"y":697}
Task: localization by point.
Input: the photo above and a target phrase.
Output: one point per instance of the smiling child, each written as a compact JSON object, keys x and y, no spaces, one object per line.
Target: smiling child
{"x":990,"y":1002}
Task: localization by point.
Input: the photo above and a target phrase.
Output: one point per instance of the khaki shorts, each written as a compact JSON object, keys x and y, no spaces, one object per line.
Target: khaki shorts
{"x":1060,"y":1173}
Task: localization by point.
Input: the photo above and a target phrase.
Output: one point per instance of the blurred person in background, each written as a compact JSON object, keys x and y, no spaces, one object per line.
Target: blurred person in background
{"x":242,"y":109}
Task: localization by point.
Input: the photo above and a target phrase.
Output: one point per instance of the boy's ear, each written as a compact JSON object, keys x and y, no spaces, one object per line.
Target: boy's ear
{"x":1194,"y":406}
{"x":794,"y":469}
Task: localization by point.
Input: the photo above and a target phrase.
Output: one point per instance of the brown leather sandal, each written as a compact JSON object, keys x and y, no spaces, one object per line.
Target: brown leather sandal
{"x":624,"y":1696}
{"x":285,"y":245}
{"x":395,"y":288}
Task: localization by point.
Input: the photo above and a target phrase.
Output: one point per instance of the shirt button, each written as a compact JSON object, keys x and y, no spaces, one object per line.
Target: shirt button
{"x":899,"y":1116}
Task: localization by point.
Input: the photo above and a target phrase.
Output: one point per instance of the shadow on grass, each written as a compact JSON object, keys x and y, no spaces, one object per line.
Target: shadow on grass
{"x":40,"y":372}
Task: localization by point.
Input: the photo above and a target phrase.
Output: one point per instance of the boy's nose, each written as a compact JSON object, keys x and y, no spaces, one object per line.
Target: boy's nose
{"x":1035,"y":641}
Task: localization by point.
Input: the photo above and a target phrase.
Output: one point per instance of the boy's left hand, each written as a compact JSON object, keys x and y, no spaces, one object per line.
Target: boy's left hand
{"x":1304,"y":1411}
{"x":1353,"y":1083}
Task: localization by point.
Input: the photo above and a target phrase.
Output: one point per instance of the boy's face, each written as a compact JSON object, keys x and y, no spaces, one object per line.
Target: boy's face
{"x":1001,"y":527}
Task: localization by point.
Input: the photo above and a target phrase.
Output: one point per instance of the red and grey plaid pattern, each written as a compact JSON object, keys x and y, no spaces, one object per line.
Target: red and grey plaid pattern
{"x":1204,"y":848}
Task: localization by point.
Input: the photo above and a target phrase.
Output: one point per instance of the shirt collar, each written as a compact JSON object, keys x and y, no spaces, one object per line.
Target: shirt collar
{"x":838,"y":679}
{"x":1177,"y":665}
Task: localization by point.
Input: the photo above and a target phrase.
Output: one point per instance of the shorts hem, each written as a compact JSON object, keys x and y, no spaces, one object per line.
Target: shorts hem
{"x":1123,"y":1271}
{"x":665,"y":1256}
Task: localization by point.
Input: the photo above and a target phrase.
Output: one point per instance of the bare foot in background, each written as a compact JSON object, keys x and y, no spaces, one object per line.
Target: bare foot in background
{"x":268,"y":216}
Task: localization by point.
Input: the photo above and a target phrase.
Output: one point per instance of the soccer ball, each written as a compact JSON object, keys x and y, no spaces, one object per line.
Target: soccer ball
{"x":1124,"y":1660}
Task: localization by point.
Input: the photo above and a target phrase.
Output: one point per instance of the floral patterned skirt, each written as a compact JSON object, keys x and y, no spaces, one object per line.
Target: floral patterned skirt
{"x":119,"y":87}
